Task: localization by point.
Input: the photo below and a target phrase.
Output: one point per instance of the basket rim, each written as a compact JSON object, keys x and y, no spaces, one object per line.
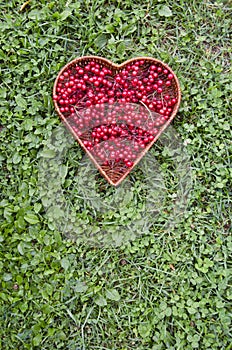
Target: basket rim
{"x":115,"y":68}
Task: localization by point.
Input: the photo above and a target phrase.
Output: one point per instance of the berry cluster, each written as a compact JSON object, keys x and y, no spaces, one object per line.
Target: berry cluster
{"x":116,"y":114}
{"x":119,"y":113}
{"x":122,"y":143}
{"x":83,"y":86}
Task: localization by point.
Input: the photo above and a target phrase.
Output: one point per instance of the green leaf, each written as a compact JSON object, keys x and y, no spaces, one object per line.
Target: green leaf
{"x":3,"y":296}
{"x":101,"y":41}
{"x":165,"y":11}
{"x":101,"y":301}
{"x":63,"y":170}
{"x":49,"y":272}
{"x":37,"y":207}
{"x":127,"y":198}
{"x":121,"y":48}
{"x":16,"y":158}
{"x":55,"y":212}
{"x":65,"y":14}
{"x":3,"y":92}
{"x":7,"y":277}
{"x":129,"y":29}
{"x":28,"y":124}
{"x":8,"y":213}
{"x":21,"y":102}
{"x":20,"y":248}
{"x":23,"y":307}
{"x":80,"y":287}
{"x":145,"y":329}
{"x":37,"y":340}
{"x":34,"y":14}
{"x":31,"y":218}
{"x":65,"y":263}
{"x":21,"y":222}
{"x":112,"y":294}
{"x":48,"y":153}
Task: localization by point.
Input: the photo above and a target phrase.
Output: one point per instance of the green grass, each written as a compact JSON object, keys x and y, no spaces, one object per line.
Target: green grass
{"x":143,"y":266}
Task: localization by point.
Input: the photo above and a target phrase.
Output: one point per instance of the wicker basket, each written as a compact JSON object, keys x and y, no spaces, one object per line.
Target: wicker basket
{"x":115,"y":172}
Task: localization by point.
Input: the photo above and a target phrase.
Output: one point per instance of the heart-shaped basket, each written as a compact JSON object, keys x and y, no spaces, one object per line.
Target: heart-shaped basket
{"x":116,"y":111}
